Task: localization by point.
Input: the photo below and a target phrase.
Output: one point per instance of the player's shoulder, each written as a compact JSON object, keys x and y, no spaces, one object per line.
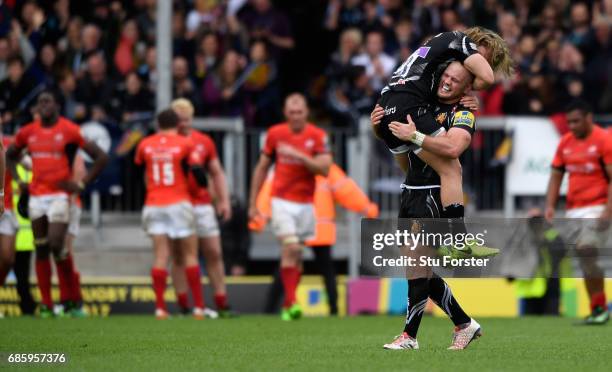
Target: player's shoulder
{"x":601,"y":133}
{"x":67,"y":123}
{"x":315,"y":130}
{"x":279,"y":128}
{"x":147,"y":140}
{"x":197,"y":137}
{"x":29,"y":127}
{"x":567,"y":139}
{"x":447,"y":36}
{"x":464,"y":117}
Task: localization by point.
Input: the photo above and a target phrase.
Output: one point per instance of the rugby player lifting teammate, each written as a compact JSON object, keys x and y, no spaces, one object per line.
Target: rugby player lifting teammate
{"x":52,"y":143}
{"x":421,"y":199}
{"x":300,"y":151}
{"x":586,"y":154}
{"x":413,"y":86}
{"x":168,"y":215}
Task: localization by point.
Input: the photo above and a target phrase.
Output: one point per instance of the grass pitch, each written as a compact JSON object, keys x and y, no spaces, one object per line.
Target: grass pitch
{"x":261,"y":343}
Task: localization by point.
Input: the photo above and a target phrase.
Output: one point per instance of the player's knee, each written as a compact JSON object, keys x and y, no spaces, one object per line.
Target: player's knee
{"x":214,"y":255}
{"x":42,"y":248}
{"x":449,"y":169}
{"x":178,"y":260}
{"x":291,"y":252}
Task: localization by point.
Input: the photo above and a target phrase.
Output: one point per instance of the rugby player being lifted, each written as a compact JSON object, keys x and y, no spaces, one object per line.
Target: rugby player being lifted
{"x":411,"y":91}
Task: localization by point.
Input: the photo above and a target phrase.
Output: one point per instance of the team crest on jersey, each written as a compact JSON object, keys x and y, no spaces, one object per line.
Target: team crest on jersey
{"x":59,"y":137}
{"x":309,"y":143}
{"x":441,"y":117}
{"x":465,"y":118}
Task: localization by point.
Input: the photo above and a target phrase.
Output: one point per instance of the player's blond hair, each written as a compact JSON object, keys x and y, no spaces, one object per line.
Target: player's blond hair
{"x":183,"y":105}
{"x":499,"y":53}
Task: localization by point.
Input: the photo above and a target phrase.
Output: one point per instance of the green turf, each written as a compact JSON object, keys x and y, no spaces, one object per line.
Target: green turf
{"x":259,"y":343}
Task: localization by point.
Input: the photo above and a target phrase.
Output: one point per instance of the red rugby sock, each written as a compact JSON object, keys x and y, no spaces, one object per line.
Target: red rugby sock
{"x":193,"y":278}
{"x":159,"y":286}
{"x":43,"y":276}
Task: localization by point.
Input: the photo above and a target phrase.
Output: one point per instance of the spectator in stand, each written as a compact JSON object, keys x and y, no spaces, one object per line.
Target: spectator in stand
{"x":582,"y":34}
{"x":450,"y":21}
{"x":96,"y":87}
{"x":222,"y":93}
{"x":56,"y":24}
{"x":261,"y":86}
{"x":377,"y":63}
{"x":15,"y":94}
{"x":33,"y":18}
{"x":549,"y":25}
{"x":181,"y":45}
{"x":182,"y":86}
{"x":146,"y":21}
{"x":134,"y":98}
{"x":532,"y":96}
{"x":125,"y":52}
{"x":341,"y":60}
{"x":15,"y":43}
{"x":486,"y":12}
{"x":602,"y":12}
{"x":343,"y":14}
{"x":262,"y":21}
{"x":148,"y":70}
{"x":525,"y":57}
{"x":509,"y":29}
{"x":206,"y":58}
{"x":427,"y":18}
{"x":351,"y":98}
{"x":71,"y":108}
{"x":46,"y":69}
{"x":403,"y":44}
{"x":70,"y":43}
{"x":569,"y":74}
{"x":207,"y":15}
{"x":373,"y":16}
{"x":89,"y":45}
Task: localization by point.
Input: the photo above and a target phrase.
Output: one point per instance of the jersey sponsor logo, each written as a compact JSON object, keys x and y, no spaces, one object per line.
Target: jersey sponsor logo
{"x":441,"y":117}
{"x":423,"y":51}
{"x":465,"y":118}
{"x":582,"y":168}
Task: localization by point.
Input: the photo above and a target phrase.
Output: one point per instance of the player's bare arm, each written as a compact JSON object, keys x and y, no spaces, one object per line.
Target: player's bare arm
{"x":375,"y":118}
{"x":220,"y":189}
{"x":552,"y":192}
{"x":318,"y":164}
{"x":451,"y":145}
{"x":604,"y":219}
{"x":13,"y":156}
{"x":480,"y":68}
{"x":259,"y":176}
{"x":99,"y":162}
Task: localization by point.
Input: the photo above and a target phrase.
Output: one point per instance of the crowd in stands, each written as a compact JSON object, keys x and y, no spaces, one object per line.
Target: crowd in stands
{"x":228,"y":54}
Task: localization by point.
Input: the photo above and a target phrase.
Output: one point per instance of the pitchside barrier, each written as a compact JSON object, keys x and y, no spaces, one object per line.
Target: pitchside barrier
{"x":361,"y":296}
